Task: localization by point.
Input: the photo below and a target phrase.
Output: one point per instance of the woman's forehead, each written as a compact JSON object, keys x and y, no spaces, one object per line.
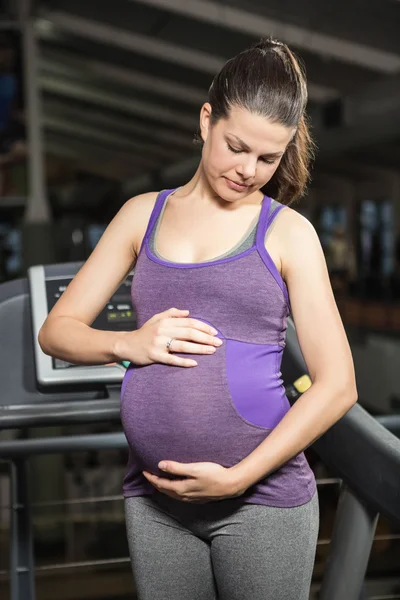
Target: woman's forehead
{"x":256,"y":131}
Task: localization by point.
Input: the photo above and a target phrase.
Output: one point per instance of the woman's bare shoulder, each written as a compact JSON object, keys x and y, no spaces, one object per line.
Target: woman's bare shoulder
{"x":288,"y":234}
{"x":292,"y":222}
{"x":297,"y":240}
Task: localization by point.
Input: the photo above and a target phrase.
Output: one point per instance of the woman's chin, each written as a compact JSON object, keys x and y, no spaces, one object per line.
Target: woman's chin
{"x":227,"y":192}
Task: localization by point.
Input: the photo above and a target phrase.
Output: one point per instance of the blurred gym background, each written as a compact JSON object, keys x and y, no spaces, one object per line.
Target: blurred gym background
{"x":100,"y":101}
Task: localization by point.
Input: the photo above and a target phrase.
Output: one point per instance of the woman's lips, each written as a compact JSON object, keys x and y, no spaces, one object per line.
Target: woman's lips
{"x":236,"y":186}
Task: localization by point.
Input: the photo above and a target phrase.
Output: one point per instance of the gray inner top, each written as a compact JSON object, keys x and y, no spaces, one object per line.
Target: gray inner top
{"x":247,"y":241}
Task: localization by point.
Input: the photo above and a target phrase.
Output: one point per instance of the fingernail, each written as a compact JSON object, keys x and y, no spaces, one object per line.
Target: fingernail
{"x":214,"y":331}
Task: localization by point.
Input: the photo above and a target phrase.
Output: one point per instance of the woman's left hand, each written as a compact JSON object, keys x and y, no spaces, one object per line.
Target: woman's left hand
{"x":204,"y":481}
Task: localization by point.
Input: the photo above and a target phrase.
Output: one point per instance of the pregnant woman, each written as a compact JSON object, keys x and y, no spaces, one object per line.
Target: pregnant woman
{"x":220,"y":501}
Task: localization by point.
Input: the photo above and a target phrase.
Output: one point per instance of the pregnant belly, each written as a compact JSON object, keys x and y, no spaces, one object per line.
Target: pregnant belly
{"x":219,"y":411}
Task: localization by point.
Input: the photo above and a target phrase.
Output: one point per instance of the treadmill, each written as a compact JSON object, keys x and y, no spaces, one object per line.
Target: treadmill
{"x":38,"y":389}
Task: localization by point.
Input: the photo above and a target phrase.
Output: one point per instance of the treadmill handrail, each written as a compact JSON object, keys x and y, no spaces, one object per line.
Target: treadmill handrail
{"x":11,"y":449}
{"x":390,"y":422}
{"x":56,"y":413}
{"x":358,"y":446}
{"x":366,"y":456}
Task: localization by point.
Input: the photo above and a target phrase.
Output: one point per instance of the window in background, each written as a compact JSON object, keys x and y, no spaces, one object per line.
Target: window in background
{"x":387,"y":217}
{"x":376,"y":243}
{"x":10,"y":252}
{"x":331,"y":216}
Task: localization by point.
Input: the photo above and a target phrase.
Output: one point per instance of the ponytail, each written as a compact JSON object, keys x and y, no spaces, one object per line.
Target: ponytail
{"x":291,"y":178}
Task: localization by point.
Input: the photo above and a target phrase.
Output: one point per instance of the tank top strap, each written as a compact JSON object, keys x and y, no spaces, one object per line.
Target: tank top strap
{"x":267,"y":217}
{"x":269,"y":211}
{"x":159,"y":203}
{"x":275,"y":209}
{"x":263,"y":221}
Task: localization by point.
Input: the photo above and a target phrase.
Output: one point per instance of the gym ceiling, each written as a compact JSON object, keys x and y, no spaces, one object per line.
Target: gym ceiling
{"x":123,"y":80}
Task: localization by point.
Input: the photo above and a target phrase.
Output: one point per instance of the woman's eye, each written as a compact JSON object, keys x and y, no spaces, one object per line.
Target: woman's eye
{"x":234,"y":149}
{"x":265,"y":160}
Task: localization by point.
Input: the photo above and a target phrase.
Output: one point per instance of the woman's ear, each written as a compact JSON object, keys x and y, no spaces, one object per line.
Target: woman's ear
{"x":205,"y":120}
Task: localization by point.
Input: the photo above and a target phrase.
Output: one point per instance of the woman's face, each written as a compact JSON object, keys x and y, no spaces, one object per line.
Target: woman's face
{"x":242,"y":152}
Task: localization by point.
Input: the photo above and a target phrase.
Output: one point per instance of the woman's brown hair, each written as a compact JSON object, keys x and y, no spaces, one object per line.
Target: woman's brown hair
{"x":267,"y":79}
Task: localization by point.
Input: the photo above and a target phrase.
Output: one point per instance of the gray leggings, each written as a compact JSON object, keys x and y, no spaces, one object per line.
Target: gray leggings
{"x":224,"y":550}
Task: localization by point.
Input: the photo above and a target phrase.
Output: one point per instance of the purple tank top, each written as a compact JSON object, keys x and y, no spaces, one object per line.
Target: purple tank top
{"x":221,"y":410}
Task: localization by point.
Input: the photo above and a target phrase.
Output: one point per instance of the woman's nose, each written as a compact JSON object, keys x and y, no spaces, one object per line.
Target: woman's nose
{"x":247,"y":168}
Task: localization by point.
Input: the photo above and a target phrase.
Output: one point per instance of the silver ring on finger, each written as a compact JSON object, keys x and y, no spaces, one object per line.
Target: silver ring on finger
{"x":168,"y":345}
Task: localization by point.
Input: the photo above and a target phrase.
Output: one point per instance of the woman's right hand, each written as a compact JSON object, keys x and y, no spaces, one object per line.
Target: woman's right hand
{"x":148,"y":344}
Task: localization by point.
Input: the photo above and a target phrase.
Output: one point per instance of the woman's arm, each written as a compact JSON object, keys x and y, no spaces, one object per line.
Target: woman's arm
{"x":67,"y":331}
{"x":325,"y":348}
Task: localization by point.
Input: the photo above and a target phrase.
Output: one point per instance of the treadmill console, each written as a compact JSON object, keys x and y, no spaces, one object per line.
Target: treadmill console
{"x":46,"y":285}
